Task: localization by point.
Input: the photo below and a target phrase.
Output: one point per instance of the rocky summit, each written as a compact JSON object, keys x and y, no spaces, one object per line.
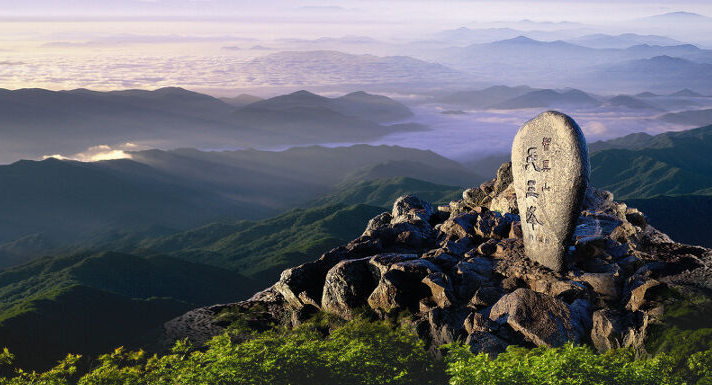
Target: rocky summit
{"x":461,"y":273}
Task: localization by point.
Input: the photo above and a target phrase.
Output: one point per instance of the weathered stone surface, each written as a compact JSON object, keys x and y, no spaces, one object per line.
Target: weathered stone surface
{"x":476,"y":322}
{"x":542,"y":319}
{"x":505,"y":202}
{"x":411,"y":209}
{"x":551,"y":171}
{"x":486,"y":296}
{"x":607,"y":330}
{"x":640,"y":296}
{"x":441,"y":290}
{"x":460,"y":226}
{"x":492,"y":224}
{"x":347,"y":286}
{"x":483,"y":342}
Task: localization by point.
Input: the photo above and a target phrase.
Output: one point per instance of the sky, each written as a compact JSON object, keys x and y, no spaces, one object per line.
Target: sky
{"x":109,"y":44}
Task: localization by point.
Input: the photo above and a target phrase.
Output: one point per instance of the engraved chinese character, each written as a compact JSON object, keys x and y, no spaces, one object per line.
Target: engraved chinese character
{"x":531,"y":189}
{"x":531,"y":217}
{"x":545,"y":165}
{"x":545,"y":187}
{"x":531,"y":158}
{"x":545,"y":142}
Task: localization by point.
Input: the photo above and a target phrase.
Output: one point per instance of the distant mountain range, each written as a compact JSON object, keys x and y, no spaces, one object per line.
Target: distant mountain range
{"x":661,"y":73}
{"x":509,"y":98}
{"x":625,"y":40}
{"x":643,"y":166}
{"x":525,"y":60}
{"x":548,"y":98}
{"x":36,"y":122}
{"x":356,"y":104}
{"x":506,"y":98}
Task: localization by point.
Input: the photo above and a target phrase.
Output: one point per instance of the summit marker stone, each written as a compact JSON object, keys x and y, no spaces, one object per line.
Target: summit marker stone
{"x":551,"y":172}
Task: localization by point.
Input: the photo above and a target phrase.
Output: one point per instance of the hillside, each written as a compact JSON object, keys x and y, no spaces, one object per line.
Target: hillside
{"x":62,"y":202}
{"x":668,"y":176}
{"x":262,"y":249}
{"x":90,"y":303}
{"x":673,"y":163}
{"x":93,"y":297}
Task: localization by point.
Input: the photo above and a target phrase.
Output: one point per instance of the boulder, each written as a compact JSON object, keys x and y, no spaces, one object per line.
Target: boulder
{"x":606,"y":333}
{"x":347,"y":287}
{"x":505,"y":201}
{"x":459,"y":226}
{"x":483,"y":342}
{"x":542,"y":319}
{"x":641,"y":295}
{"x":441,"y":290}
{"x":492,"y":224}
{"x":410,"y":209}
{"x":486,"y":296}
{"x":476,"y":322}
{"x":504,"y":178}
{"x":377,"y":223}
{"x":398,"y":290}
{"x":473,"y":197}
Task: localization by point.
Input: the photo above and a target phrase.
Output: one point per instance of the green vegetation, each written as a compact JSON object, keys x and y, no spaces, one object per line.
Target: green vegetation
{"x":324,"y":351}
{"x":263,"y":249}
{"x":673,"y":163}
{"x":687,"y":318}
{"x":89,"y":302}
{"x":573,"y":365}
{"x":383,"y":192}
{"x":667,"y":176}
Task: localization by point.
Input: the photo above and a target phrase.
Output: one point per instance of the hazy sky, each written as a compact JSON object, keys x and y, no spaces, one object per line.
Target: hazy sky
{"x":108,"y":44}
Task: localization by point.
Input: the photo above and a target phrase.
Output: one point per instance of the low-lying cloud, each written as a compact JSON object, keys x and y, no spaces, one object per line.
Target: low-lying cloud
{"x":99,"y":153}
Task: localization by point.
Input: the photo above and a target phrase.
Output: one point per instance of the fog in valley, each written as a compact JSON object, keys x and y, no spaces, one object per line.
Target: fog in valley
{"x":428,"y":58}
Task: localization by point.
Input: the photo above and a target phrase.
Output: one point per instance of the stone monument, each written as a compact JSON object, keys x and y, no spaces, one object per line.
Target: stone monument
{"x":551,"y":170}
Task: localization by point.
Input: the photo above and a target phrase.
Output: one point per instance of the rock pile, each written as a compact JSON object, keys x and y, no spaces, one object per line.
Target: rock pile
{"x":461,"y":271}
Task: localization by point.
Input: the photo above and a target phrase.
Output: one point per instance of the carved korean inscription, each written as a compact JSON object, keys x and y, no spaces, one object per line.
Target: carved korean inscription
{"x":551,"y":170}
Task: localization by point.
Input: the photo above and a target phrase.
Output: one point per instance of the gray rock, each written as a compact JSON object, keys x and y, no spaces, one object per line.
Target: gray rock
{"x":483,"y":342}
{"x":476,"y":322}
{"x":486,"y":296}
{"x":347,"y":287}
{"x":379,"y":222}
{"x":492,"y":224}
{"x":551,"y":170}
{"x":542,"y":319}
{"x":441,"y":290}
{"x":410,"y":209}
{"x":504,"y":178}
{"x":607,"y":330}
{"x":473,"y":197}
{"x":459,"y":226}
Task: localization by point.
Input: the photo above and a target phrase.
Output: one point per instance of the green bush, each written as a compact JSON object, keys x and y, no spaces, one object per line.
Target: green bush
{"x":360,"y":352}
{"x":324,"y":351}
